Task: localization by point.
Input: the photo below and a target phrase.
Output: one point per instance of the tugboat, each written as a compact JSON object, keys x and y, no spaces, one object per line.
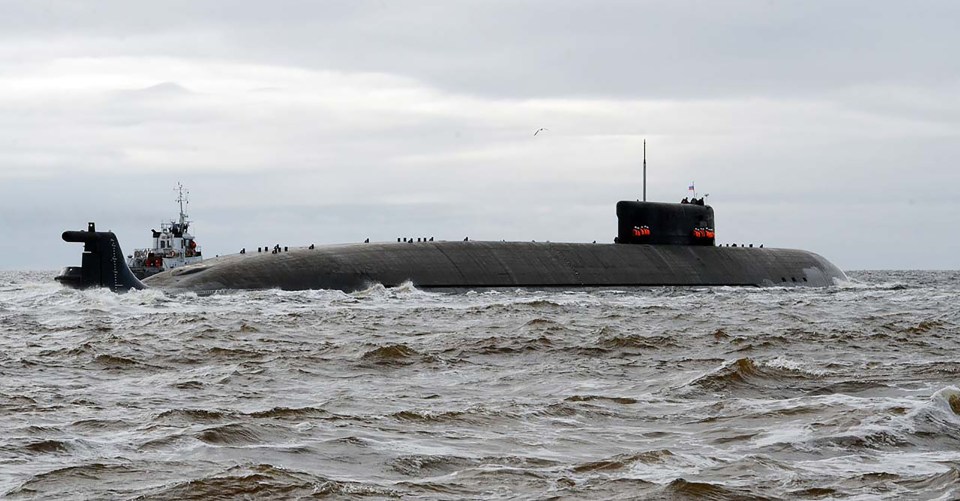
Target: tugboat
{"x":173,"y":246}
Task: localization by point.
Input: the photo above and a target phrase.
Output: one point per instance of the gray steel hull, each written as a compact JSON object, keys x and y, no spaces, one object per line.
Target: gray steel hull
{"x":459,"y":265}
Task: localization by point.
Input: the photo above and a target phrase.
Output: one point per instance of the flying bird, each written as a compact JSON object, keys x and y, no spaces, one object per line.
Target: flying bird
{"x":540,"y":129}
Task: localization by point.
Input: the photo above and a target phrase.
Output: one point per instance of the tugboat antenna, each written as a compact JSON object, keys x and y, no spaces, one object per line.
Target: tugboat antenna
{"x":182,"y":198}
{"x":644,"y":170}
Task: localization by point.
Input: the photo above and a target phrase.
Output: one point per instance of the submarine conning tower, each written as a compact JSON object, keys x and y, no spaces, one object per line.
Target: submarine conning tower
{"x":657,"y":223}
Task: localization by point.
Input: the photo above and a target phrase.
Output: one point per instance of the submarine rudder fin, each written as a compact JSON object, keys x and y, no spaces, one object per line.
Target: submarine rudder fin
{"x":102,"y":263}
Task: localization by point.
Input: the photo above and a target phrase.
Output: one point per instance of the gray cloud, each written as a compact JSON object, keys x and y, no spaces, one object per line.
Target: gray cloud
{"x":828,"y":126}
{"x":536,"y":48}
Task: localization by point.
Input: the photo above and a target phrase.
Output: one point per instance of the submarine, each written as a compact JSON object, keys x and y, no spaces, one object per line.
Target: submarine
{"x":657,"y":244}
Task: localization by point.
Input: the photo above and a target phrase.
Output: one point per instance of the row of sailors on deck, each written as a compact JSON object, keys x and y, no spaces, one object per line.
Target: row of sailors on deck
{"x":277,"y":249}
{"x":694,"y":201}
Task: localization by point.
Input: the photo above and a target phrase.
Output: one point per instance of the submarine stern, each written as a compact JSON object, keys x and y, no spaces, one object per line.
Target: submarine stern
{"x":102,"y":262}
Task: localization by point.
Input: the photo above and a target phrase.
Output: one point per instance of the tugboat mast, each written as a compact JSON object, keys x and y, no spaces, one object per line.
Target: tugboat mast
{"x":182,"y":199}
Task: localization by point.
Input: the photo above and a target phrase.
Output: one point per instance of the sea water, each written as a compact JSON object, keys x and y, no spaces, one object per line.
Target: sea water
{"x":723,"y":393}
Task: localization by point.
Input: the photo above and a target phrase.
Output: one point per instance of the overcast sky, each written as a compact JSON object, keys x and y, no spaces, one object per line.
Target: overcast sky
{"x":831,"y":126}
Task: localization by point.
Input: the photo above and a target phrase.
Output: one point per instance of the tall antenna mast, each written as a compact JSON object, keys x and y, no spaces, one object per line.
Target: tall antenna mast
{"x":182,"y":198}
{"x":644,"y":170}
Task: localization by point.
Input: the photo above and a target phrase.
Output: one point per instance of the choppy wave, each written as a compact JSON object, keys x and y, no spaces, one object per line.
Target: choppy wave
{"x":678,"y":393}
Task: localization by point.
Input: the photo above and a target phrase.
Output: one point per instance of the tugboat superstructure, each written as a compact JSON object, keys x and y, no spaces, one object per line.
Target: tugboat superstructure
{"x":173,"y":246}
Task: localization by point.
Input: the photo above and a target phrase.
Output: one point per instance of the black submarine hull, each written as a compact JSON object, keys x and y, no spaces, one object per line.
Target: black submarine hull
{"x":658,"y":244}
{"x":467,"y":265}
